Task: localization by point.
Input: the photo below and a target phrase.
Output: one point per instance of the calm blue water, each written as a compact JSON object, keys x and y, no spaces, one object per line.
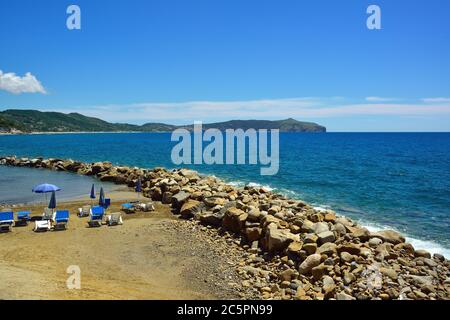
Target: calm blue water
{"x":16,"y":185}
{"x":395,"y":180}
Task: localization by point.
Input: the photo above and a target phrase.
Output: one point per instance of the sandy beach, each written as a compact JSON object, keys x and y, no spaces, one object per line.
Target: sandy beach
{"x":151,"y":256}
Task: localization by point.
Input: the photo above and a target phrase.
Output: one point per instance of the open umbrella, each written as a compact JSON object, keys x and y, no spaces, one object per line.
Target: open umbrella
{"x":101,"y":199}
{"x":138,"y":187}
{"x":45,"y":188}
{"x":52,"y":204}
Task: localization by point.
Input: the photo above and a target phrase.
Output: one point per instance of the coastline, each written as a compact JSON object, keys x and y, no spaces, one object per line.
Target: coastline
{"x":73,"y":132}
{"x":314,"y":242}
{"x":419,"y":243}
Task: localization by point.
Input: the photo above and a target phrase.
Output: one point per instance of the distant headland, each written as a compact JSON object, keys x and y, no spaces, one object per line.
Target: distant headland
{"x":34,"y":121}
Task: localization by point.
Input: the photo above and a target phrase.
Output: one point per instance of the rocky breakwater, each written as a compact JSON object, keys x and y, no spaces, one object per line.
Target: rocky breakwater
{"x":293,"y":251}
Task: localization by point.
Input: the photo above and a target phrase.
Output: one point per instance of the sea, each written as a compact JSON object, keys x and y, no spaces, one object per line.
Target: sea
{"x":397,"y":181}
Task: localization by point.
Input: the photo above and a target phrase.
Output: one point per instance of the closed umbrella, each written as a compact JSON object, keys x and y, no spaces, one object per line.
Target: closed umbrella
{"x":138,"y":187}
{"x":52,"y":204}
{"x":101,"y":199}
{"x":92,"y":195}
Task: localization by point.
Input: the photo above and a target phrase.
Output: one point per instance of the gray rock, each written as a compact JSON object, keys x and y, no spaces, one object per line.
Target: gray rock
{"x":339,"y":228}
{"x":388,"y":236}
{"x":320,"y":227}
{"x":375,"y":242}
{"x":326,"y":236}
{"x":179,"y":198}
{"x":344,"y":296}
{"x":279,"y":239}
{"x":212,"y":219}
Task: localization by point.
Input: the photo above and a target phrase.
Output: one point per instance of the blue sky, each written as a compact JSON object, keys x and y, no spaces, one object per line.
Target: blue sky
{"x":184,"y":60}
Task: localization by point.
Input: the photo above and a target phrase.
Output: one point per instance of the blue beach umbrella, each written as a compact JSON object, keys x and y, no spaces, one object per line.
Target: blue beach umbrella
{"x":92,"y":195}
{"x":52,"y":204}
{"x":138,"y":187}
{"x":101,"y":200}
{"x":45,"y":188}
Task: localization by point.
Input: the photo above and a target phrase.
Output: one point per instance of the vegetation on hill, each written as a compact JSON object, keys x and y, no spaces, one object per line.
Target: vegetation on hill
{"x":38,"y":121}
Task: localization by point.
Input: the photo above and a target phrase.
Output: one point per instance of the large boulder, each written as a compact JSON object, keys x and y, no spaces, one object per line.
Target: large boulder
{"x":234,"y":219}
{"x":390,"y":236}
{"x":279,"y":239}
{"x":214,"y":201}
{"x":166,"y":197}
{"x":320,"y":227}
{"x":308,"y":226}
{"x":309,"y":263}
{"x":357,"y":232}
{"x":328,"y":248}
{"x":253,"y":233}
{"x":212,"y":219}
{"x":179,"y":199}
{"x":100,"y":167}
{"x":191,"y":208}
{"x":351,"y":248}
{"x":156,"y":194}
{"x":326,"y":236}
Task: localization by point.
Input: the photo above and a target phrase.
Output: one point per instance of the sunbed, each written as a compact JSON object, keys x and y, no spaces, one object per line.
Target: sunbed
{"x":114,"y":219}
{"x":128,"y":207}
{"x":6,"y":221}
{"x":107,"y":203}
{"x":60,"y":219}
{"x":146,"y":207}
{"x":48,"y":214}
{"x":96,"y":216}
{"x":42,"y":225}
{"x":23,"y":217}
{"x":84,"y":211}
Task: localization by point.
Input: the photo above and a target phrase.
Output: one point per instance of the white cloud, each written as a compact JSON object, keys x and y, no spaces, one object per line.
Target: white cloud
{"x":436,"y":100}
{"x":16,"y":84}
{"x":380,"y":99}
{"x":299,"y":108}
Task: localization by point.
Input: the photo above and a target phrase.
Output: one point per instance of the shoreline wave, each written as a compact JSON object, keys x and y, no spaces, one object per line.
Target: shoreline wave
{"x":429,"y":245}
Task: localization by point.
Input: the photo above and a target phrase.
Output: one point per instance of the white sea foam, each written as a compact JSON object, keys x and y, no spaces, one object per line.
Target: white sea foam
{"x":431,"y":246}
{"x":241,"y":184}
{"x":257,"y":185}
{"x":428,"y":245}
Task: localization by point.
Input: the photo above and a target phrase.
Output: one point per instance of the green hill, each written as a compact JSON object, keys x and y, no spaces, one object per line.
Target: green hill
{"x":288,"y":125}
{"x":37,"y":121}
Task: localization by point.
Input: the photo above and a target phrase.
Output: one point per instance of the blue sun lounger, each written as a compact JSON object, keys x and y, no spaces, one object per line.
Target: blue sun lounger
{"x":128,"y":207}
{"x":6,"y":221}
{"x":23,"y":217}
{"x":96,"y":216}
{"x":107,"y":203}
{"x":61,"y":219}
